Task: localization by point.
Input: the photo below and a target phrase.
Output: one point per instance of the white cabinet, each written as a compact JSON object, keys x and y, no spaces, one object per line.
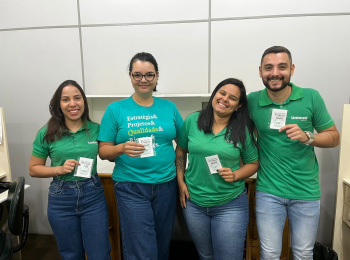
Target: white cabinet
{"x":346,"y":205}
{"x":341,"y":235}
{"x":5,"y":169}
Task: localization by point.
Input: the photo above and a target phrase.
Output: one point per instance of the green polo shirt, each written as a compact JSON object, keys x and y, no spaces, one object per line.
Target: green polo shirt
{"x":205,"y":189}
{"x":70,"y":146}
{"x":288,"y":169}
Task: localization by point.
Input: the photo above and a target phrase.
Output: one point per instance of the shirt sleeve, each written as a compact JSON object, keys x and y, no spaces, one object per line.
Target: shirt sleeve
{"x":321,"y":118}
{"x":250,"y":153}
{"x":178,"y":121}
{"x":183,"y":137}
{"x":41,"y":147}
{"x":108,"y":127}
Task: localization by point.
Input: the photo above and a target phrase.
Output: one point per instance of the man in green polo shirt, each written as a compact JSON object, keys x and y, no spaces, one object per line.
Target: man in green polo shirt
{"x":285,"y":117}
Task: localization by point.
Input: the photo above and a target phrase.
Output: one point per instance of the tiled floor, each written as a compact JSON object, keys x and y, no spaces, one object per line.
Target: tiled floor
{"x":43,"y":247}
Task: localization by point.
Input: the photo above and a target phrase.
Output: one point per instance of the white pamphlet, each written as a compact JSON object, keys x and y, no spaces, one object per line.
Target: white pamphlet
{"x":148,"y":144}
{"x":213,"y":163}
{"x":85,"y":167}
{"x":278,"y":118}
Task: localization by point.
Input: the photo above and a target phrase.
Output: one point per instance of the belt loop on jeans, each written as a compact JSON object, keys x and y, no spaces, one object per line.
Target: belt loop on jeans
{"x":58,"y":181}
{"x":95,"y":177}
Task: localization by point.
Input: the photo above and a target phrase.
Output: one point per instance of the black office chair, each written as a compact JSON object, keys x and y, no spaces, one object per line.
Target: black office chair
{"x":18,"y":219}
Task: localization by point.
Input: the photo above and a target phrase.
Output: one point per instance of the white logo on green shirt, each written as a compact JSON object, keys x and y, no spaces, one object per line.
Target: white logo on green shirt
{"x":299,"y":117}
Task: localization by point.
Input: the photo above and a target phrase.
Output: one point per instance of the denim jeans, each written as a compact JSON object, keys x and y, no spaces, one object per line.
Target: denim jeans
{"x":78,"y":215}
{"x":219,"y":232}
{"x":147,"y":215}
{"x":303,"y":216}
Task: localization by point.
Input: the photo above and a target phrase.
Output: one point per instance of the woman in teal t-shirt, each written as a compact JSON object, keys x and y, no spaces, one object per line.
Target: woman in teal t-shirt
{"x":137,"y":134}
{"x":212,"y":190}
{"x":77,"y":208}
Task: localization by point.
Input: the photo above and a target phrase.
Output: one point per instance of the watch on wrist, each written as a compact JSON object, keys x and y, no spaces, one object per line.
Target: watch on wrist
{"x":311,"y":137}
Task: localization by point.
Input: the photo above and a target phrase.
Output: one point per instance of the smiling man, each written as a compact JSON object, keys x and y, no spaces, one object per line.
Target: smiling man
{"x":285,"y":117}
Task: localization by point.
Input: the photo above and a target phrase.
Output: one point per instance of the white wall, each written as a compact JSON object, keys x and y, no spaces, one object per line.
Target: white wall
{"x":197,"y":44}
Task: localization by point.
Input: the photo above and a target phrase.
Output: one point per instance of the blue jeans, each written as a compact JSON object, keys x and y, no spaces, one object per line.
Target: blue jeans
{"x":219,"y":232}
{"x":147,"y":215}
{"x":303,"y":216}
{"x":78,"y":215}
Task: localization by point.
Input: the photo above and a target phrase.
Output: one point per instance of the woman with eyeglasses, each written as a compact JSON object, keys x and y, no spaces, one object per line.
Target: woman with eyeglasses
{"x":137,"y":133}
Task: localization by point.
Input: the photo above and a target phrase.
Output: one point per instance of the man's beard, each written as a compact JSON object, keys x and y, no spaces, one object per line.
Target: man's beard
{"x":285,"y":83}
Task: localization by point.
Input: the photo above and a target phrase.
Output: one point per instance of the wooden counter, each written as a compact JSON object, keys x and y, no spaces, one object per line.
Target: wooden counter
{"x":114,"y":231}
{"x":252,"y":249}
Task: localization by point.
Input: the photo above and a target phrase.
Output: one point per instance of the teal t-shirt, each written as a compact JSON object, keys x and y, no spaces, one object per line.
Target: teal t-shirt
{"x":126,"y":120}
{"x":71,"y":146}
{"x":288,"y":169}
{"x":205,"y":189}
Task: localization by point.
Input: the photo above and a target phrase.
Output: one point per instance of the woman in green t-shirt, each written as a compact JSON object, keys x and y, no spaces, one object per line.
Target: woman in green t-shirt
{"x":212,"y":190}
{"x":77,"y":208}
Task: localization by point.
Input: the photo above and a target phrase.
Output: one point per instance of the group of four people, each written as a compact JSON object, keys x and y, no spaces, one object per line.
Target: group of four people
{"x":269,"y":131}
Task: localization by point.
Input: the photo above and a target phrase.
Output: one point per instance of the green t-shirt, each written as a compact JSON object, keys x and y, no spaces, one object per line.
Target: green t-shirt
{"x":288,"y":169}
{"x":80,"y":144}
{"x":205,"y":189}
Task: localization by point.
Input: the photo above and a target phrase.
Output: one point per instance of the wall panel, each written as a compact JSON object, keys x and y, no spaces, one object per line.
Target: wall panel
{"x":33,"y":63}
{"x":37,"y":13}
{"x":237,"y":47}
{"x":244,"y":8}
{"x":181,"y":51}
{"x":126,"y":11}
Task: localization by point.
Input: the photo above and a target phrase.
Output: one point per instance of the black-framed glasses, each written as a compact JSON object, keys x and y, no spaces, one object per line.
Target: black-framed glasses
{"x":148,"y":76}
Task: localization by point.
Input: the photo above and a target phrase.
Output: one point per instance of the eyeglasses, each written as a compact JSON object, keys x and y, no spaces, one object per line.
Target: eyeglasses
{"x":138,"y":76}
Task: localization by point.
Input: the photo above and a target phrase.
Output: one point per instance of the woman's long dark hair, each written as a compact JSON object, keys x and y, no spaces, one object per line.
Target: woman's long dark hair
{"x":239,"y":120}
{"x":56,"y":126}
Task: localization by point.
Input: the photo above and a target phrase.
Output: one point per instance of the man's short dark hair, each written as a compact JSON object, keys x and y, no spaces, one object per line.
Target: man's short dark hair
{"x":276,"y":49}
